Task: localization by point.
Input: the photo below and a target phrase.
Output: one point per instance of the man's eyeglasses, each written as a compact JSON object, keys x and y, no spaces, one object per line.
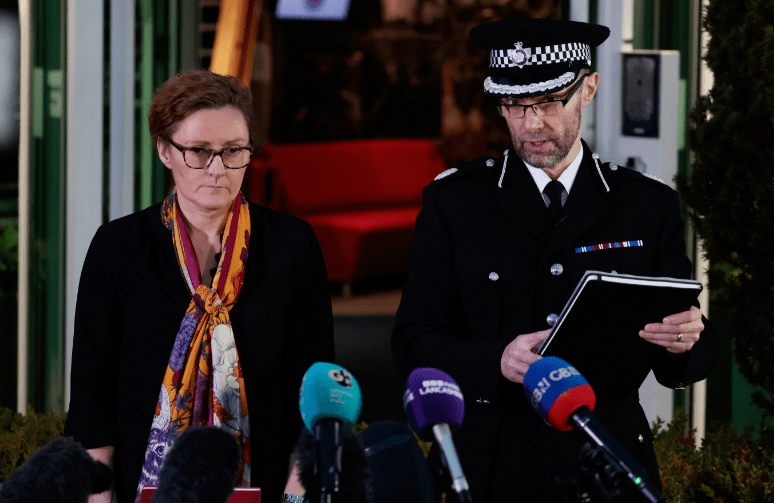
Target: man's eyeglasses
{"x":200,"y":158}
{"x":508,"y":106}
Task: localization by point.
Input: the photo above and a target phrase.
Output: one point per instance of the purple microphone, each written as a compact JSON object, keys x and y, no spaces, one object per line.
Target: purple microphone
{"x":432,"y":397}
{"x":434,"y":405}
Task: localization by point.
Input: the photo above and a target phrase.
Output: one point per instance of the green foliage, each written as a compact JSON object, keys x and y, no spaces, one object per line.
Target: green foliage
{"x":20,"y":436}
{"x":729,"y":191}
{"x":9,"y":248}
{"x":729,"y":467}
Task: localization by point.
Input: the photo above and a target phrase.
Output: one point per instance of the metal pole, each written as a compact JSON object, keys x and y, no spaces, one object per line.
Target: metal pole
{"x":25,"y":87}
{"x":121,"y":162}
{"x":84,"y":153}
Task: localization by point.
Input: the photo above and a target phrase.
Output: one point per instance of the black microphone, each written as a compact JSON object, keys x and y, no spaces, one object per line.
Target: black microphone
{"x":399,"y":468}
{"x":60,"y":472}
{"x":434,"y":405}
{"x":354,"y":475}
{"x":200,"y":467}
{"x":564,"y":399}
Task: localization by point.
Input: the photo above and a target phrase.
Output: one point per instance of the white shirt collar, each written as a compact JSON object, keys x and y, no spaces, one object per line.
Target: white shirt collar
{"x":567,"y":177}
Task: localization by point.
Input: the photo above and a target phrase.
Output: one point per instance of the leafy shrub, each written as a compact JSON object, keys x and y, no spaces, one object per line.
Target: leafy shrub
{"x":9,"y":248}
{"x":730,"y":466}
{"x":21,"y":435}
{"x":728,"y":191}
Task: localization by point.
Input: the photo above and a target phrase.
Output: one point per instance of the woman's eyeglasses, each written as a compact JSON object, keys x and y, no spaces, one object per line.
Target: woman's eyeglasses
{"x":201,"y":158}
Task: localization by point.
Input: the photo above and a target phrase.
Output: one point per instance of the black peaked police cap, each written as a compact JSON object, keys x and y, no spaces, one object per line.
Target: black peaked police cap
{"x":530,"y":57}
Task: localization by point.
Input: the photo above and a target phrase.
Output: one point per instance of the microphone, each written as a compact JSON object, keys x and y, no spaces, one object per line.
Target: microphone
{"x":564,"y":399}
{"x":434,"y":405}
{"x":398,"y":466}
{"x":330,"y":403}
{"x":60,"y":472}
{"x":201,"y":467}
{"x":355,"y":475}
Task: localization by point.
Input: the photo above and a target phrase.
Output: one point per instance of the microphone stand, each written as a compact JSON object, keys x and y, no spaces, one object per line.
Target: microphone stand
{"x":443,"y":435}
{"x":609,"y":461}
{"x":608,"y":480}
{"x":328,"y":464}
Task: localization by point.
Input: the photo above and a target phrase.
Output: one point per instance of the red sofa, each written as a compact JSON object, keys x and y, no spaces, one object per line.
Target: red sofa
{"x":361,"y":197}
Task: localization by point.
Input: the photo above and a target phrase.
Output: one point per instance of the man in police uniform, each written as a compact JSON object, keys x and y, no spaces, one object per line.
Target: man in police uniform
{"x":499,"y":249}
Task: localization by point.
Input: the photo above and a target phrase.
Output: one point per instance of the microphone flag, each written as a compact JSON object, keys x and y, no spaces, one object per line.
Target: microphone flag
{"x":432,"y":397}
{"x":555,"y":389}
{"x":329,"y":391}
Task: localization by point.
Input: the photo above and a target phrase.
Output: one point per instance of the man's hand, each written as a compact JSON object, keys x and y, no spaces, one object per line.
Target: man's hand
{"x":678,"y":333}
{"x":520,"y":354}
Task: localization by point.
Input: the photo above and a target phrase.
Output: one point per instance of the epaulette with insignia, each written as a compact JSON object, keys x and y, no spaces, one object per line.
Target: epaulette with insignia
{"x":473,"y":167}
{"x":654,"y":177}
{"x":633,"y":174}
{"x":446,"y":173}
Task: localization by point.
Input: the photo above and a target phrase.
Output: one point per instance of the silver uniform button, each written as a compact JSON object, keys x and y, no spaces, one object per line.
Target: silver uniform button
{"x":613,"y":166}
{"x":552,"y":318}
{"x":641,"y":438}
{"x":557,"y":269}
{"x":493,"y":276}
{"x":490,"y":162}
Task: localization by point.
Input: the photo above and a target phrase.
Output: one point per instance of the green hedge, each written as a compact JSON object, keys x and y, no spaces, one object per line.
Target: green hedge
{"x":22,"y":435}
{"x":730,"y":466}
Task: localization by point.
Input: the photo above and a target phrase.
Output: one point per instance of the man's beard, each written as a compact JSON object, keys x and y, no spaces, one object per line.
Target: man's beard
{"x":556,"y":148}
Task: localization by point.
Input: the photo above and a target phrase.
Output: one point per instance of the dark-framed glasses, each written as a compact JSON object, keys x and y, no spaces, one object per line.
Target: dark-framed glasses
{"x":200,"y":157}
{"x":509,"y":108}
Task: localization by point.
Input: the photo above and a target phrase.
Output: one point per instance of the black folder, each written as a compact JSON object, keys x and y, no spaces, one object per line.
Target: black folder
{"x":598,"y":329}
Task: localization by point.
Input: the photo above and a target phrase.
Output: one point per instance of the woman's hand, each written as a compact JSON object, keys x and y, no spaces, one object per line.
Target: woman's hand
{"x":104,"y":454}
{"x":293,"y":485}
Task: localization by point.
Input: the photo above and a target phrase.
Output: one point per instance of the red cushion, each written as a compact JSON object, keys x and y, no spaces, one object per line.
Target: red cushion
{"x":363,"y":244}
{"x":346,"y":175}
{"x":360,"y":196}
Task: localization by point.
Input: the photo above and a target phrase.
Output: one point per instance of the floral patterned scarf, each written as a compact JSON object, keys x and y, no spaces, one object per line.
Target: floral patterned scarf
{"x":203,"y":384}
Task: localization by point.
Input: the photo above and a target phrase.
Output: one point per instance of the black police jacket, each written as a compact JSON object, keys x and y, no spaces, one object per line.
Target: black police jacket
{"x":480,"y":274}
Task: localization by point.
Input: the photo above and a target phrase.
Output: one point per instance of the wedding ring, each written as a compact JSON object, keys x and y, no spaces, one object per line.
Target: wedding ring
{"x":679,"y":337}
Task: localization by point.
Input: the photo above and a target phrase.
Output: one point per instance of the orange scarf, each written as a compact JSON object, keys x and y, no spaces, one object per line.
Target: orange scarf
{"x":203,"y":384}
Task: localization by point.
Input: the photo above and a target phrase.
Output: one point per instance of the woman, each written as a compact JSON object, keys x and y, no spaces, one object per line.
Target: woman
{"x":202,"y":310}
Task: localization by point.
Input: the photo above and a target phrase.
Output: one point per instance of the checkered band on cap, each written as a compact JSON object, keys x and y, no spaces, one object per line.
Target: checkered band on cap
{"x":550,"y":54}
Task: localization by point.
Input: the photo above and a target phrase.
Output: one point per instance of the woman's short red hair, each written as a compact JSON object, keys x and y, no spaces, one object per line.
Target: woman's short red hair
{"x":196,"y":90}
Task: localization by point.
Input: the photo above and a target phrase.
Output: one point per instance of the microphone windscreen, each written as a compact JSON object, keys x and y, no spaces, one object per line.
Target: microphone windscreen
{"x":355,"y":477}
{"x":60,"y":472}
{"x":432,"y":397}
{"x":329,"y":391}
{"x":555,"y":389}
{"x":399,"y":469}
{"x":200,"y":467}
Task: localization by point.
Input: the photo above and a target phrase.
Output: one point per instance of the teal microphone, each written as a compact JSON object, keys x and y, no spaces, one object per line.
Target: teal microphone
{"x":329,"y":401}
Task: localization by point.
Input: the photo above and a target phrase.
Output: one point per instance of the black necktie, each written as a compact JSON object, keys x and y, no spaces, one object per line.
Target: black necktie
{"x":554,"y":191}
